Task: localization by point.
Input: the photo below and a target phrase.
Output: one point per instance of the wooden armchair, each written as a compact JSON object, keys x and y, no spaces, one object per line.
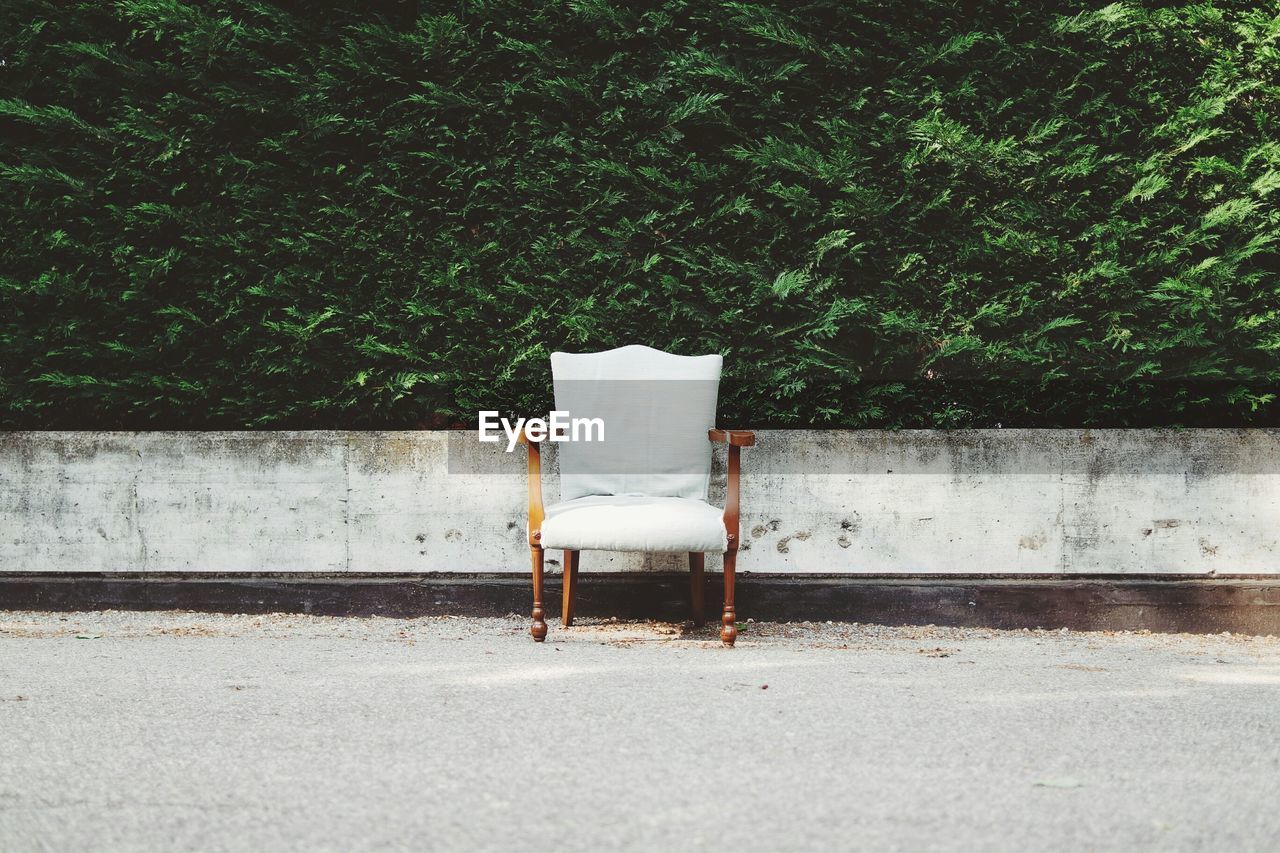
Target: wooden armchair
{"x":645,"y":488}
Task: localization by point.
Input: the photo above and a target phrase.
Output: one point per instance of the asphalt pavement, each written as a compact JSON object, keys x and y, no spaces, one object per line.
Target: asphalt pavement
{"x":187,"y":731}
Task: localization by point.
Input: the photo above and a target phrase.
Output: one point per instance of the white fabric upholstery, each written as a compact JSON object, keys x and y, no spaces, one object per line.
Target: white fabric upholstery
{"x":634,"y":523}
{"x":656,"y":408}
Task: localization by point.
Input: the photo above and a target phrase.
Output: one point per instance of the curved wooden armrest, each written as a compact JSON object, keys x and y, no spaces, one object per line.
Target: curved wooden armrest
{"x":732,"y":437}
{"x":536,"y":513}
{"x":736,"y":439}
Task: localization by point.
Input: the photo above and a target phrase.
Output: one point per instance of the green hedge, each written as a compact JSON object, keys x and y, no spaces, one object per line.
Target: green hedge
{"x":225,"y":214}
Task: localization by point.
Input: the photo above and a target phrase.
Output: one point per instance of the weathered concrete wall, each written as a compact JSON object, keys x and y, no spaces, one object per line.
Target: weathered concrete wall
{"x":997,"y":501}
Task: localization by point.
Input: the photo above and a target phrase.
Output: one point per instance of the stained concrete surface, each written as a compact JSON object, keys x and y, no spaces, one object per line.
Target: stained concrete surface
{"x":174,"y":731}
{"x":1201,"y":501}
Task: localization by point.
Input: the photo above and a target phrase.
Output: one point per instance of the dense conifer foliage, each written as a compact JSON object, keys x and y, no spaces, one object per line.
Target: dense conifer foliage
{"x":269,"y":214}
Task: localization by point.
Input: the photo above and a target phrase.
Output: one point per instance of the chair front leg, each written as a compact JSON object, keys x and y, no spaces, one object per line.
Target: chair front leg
{"x":534,"y":531}
{"x":539,"y":629}
{"x":729,"y":618}
{"x":732,"y":517}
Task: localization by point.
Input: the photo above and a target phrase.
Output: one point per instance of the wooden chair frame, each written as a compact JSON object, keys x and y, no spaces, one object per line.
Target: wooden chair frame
{"x":735,"y":439}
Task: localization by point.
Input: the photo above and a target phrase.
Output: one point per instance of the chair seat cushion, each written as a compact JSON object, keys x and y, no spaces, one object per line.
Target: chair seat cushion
{"x":634,"y":523}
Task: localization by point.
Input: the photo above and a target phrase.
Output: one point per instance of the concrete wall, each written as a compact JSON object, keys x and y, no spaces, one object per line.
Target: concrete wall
{"x":998,"y":501}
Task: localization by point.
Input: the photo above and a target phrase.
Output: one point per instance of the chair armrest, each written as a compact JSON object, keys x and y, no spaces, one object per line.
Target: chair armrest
{"x":736,"y":439}
{"x":732,"y":437}
{"x":536,"y":512}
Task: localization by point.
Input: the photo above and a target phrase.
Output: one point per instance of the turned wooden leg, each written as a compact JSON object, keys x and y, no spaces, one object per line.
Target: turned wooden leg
{"x":539,"y":629}
{"x":729,"y":619}
{"x":697,"y":587}
{"x":570,"y":587}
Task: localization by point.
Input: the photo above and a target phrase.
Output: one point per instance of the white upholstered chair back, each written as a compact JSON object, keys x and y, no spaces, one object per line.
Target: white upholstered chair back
{"x":656,"y":408}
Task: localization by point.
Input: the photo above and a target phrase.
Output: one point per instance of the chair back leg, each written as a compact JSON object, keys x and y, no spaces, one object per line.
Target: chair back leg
{"x":570,"y":590}
{"x":697,"y":587}
{"x":539,"y":628}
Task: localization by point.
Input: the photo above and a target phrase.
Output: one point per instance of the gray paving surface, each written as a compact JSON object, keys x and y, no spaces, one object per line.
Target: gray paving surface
{"x":172,"y":731}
